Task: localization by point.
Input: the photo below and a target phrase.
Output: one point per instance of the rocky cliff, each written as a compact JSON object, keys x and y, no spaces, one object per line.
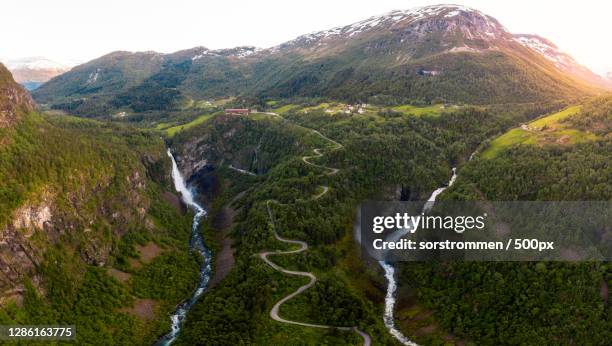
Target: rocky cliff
{"x":13,"y":99}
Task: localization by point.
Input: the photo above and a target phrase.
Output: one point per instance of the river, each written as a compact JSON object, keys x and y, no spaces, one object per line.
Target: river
{"x":390,"y":299}
{"x":196,"y":243}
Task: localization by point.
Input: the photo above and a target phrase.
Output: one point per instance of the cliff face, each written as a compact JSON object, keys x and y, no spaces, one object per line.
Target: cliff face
{"x":44,"y":221}
{"x":238,"y":142}
{"x":13,"y":99}
{"x":69,"y":192}
{"x":19,"y":256}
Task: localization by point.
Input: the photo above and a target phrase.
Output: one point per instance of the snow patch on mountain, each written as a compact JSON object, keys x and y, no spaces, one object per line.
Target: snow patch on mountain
{"x":403,"y":17}
{"x":204,"y":53}
{"x":35,"y":63}
{"x":238,"y":52}
{"x":547,"y":49}
{"x":243,"y":52}
{"x":93,"y":77}
{"x":562,"y":61}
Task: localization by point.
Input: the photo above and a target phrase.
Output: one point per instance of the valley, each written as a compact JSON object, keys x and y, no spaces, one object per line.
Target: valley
{"x":208,"y":196}
{"x":196,"y":244}
{"x":85,"y":241}
{"x":333,"y":124}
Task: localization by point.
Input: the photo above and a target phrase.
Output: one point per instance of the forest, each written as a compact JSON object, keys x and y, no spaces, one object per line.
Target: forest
{"x":95,"y":278}
{"x":208,"y":196}
{"x":393,"y":153}
{"x":236,"y":310}
{"x":527,"y":303}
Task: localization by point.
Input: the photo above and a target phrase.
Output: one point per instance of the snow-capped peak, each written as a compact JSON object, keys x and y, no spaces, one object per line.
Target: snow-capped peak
{"x":204,"y":52}
{"x":547,"y":49}
{"x":562,"y":61}
{"x":35,"y":63}
{"x":237,"y":52}
{"x":404,"y":17}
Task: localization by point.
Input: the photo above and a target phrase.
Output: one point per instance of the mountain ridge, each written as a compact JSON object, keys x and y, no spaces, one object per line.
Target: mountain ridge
{"x":446,"y":53}
{"x":400,"y":18}
{"x":31,"y":72}
{"x":562,"y":60}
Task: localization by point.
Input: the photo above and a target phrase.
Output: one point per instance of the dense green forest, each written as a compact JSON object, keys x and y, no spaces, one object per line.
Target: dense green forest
{"x":112,"y":256}
{"x":93,"y":233}
{"x":130,"y":268}
{"x":527,"y":303}
{"x":413,"y":156}
{"x":387,"y":154}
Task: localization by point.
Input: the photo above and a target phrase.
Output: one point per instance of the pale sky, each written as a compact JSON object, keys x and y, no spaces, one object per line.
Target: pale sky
{"x":78,"y":31}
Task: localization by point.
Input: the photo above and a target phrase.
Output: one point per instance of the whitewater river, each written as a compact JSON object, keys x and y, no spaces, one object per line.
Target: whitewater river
{"x":196,"y":243}
{"x":389,"y":269}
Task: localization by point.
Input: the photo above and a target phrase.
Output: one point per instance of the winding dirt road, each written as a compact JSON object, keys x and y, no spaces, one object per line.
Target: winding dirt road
{"x":303,"y":246}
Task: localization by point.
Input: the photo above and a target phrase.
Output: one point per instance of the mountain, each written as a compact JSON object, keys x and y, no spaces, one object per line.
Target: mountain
{"x":13,"y":99}
{"x":80,"y":203}
{"x":442,"y":53}
{"x":111,"y":71}
{"x":34,"y":71}
{"x":563,"y":61}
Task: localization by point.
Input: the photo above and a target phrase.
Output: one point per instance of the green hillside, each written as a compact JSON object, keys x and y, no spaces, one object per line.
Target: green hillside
{"x":528,"y":303}
{"x":382,"y":157}
{"x":85,"y":201}
{"x":428,"y":58}
{"x":550,"y":129}
{"x":94,"y":234}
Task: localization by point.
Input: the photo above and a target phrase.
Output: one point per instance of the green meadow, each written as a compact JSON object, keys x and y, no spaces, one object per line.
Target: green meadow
{"x":549,"y":129}
{"x":171,"y":131}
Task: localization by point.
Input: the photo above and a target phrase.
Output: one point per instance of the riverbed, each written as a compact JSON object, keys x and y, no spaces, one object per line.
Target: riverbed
{"x":196,"y":243}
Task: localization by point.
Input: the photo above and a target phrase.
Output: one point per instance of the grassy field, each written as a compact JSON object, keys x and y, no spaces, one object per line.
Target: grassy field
{"x":546,"y":130}
{"x":262,"y":116}
{"x":286,"y":108}
{"x":327,"y":107}
{"x":433,"y":110}
{"x":171,"y":131}
{"x":553,"y":119}
{"x":336,"y":108}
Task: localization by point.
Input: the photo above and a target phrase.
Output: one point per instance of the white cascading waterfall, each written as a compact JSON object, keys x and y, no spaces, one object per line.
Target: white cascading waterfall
{"x":196,"y":243}
{"x":390,"y":300}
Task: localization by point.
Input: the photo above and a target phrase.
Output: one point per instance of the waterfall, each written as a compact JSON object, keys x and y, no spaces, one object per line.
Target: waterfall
{"x":196,"y":243}
{"x":389,"y":317}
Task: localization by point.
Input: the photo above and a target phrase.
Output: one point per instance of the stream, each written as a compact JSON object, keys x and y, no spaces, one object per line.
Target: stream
{"x":390,"y":300}
{"x":196,"y":243}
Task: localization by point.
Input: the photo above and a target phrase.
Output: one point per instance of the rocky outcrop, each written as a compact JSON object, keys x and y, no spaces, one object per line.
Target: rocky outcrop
{"x":44,"y":221}
{"x":195,"y":158}
{"x":219,"y":147}
{"x":32,"y":217}
{"x":19,"y":257}
{"x":13,"y":99}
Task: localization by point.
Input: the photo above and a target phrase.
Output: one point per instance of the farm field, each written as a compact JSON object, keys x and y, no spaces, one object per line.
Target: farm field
{"x":547,"y":130}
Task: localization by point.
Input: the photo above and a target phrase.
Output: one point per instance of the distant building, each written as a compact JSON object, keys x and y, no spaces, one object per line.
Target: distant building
{"x":237,"y":111}
{"x":424,"y":72}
